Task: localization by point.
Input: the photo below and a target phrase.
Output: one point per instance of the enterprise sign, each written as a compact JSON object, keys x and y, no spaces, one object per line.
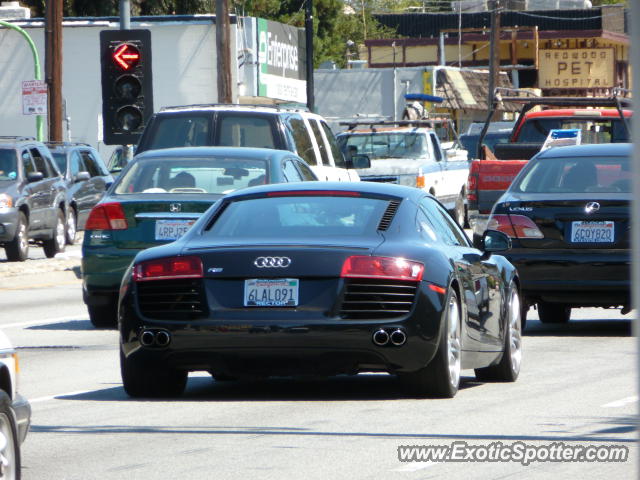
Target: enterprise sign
{"x":576,"y":68}
{"x":281,"y":62}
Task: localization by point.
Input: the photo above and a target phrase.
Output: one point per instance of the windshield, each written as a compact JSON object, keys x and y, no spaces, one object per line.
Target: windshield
{"x":600,"y":130}
{"x":192,"y":175}
{"x":386,"y":145}
{"x":8,"y":164}
{"x":291,"y":216}
{"x":576,"y":175}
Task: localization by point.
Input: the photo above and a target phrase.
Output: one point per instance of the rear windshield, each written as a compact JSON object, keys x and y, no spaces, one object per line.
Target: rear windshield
{"x":470,"y":141}
{"x":244,"y":131}
{"x":385,"y":145}
{"x":287,"y":217}
{"x":601,"y":130}
{"x":192,"y":175}
{"x":576,"y":175}
{"x":8,"y":164}
{"x":180,"y":131}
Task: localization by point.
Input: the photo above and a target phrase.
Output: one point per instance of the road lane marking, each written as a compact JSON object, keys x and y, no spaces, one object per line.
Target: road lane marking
{"x":43,"y":321}
{"x":41,"y":285}
{"x":414,"y":467}
{"x":58,"y":396}
{"x":621,"y":403}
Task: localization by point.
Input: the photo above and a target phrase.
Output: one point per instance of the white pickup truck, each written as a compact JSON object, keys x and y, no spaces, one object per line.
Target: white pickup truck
{"x":409,"y":155}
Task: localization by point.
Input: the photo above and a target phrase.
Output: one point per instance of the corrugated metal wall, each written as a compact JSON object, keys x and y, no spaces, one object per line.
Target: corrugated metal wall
{"x":427,"y":25}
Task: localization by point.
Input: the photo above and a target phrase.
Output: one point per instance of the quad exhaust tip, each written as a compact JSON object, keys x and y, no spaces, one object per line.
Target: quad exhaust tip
{"x":381,"y":338}
{"x":396,"y":338}
{"x":155,"y":338}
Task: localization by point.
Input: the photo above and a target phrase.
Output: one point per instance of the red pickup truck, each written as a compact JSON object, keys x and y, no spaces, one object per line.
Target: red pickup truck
{"x":601,"y":120}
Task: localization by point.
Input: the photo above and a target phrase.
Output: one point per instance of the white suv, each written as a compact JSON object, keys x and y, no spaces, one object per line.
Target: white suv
{"x":298,"y":131}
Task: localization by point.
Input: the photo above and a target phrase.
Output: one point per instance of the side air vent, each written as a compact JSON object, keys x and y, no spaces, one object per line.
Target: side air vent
{"x":388,"y":215}
{"x":377,"y":299}
{"x":171,"y":299}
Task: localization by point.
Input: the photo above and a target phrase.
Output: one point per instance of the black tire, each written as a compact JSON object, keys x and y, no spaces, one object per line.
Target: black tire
{"x":150,"y":381}
{"x":523,"y":314}
{"x":55,"y":245}
{"x":17,"y":250}
{"x":9,"y":429}
{"x":553,"y":312}
{"x":508,"y":369}
{"x":439,"y":379}
{"x":103,"y":316}
{"x":71,"y":230}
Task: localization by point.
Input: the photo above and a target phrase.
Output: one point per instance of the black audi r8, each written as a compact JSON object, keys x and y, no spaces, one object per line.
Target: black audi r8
{"x":321,"y":279}
{"x":568,"y":215}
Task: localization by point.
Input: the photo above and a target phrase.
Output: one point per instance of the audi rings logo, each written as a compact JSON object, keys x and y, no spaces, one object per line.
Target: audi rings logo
{"x":592,"y":207}
{"x":272,"y":262}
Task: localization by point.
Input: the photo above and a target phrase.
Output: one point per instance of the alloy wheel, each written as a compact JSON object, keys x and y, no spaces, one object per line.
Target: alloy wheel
{"x":453,"y":342}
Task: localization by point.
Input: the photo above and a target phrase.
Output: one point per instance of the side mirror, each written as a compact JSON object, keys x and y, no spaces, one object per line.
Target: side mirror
{"x":494,"y":241}
{"x":35,"y":177}
{"x":359,"y":161}
{"x":82,"y":177}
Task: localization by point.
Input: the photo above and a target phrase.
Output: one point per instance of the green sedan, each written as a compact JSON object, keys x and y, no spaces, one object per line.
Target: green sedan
{"x":156,"y":199}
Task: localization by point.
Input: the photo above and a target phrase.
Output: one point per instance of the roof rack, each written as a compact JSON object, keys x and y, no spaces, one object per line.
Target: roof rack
{"x":275,"y":106}
{"x":16,"y":138}
{"x":401,"y":123}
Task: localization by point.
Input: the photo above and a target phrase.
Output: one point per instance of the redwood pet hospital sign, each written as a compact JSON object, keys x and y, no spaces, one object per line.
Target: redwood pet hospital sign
{"x":576,"y":68}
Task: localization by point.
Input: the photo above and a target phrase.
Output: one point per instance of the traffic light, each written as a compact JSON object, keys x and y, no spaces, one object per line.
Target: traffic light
{"x":127,"y":87}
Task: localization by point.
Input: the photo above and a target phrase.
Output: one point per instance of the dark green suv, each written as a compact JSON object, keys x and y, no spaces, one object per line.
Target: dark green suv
{"x":32,"y":199}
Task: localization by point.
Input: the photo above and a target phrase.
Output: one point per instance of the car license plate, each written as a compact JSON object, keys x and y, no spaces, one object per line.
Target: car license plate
{"x":172,"y":229}
{"x":592,"y":232}
{"x":280,"y":292}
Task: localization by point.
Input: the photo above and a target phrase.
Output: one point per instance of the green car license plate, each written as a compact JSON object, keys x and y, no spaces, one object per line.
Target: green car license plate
{"x":172,"y":229}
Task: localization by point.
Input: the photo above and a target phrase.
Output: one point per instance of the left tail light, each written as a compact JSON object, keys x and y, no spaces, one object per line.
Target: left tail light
{"x":389,"y":268}
{"x":515,"y":226}
{"x":170,"y":268}
{"x":107,"y":216}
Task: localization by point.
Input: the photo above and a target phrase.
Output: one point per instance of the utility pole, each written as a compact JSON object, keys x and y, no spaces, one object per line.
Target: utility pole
{"x":494,"y":52}
{"x":308,"y":30}
{"x":223,"y":45}
{"x":53,"y":67}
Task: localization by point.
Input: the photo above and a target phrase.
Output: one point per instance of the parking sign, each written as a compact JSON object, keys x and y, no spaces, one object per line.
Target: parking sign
{"x":34,"y":97}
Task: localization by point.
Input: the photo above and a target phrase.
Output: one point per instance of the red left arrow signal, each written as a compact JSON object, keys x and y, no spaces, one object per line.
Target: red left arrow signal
{"x":126,"y":56}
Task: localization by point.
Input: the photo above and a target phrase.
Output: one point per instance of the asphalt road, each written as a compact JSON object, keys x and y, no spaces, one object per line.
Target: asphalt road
{"x":577,"y":386}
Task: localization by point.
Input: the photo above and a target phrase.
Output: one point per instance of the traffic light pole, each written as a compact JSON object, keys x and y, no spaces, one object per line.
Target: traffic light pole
{"x":125,"y":24}
{"x":125,"y":15}
{"x":37,"y":74}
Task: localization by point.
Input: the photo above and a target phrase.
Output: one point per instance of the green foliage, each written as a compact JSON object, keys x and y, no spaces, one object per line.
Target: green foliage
{"x":332,"y":26}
